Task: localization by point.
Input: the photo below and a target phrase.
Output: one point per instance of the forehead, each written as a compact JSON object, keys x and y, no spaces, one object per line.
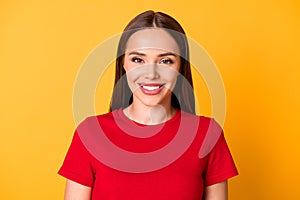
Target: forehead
{"x":152,"y":38}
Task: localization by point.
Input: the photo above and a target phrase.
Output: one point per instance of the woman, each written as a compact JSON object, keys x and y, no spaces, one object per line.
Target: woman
{"x":152,"y":106}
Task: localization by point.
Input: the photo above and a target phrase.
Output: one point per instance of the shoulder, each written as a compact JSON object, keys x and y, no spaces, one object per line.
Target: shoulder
{"x":209,"y":131}
{"x":204,"y":121}
{"x":105,"y":117}
{"x":95,"y":123}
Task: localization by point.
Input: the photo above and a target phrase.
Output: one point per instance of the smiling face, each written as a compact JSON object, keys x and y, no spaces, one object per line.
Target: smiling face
{"x":151,"y":62}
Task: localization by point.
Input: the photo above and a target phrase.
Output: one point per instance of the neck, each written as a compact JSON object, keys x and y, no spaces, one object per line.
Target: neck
{"x":149,"y":115}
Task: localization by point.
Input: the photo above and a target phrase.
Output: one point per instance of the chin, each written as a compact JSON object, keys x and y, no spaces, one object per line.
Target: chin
{"x":153,"y":100}
{"x":151,"y":103}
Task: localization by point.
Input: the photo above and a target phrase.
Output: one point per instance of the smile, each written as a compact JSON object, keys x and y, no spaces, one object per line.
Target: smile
{"x":151,"y":88}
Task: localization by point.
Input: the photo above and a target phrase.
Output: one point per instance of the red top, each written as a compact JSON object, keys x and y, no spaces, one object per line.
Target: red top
{"x":121,"y":159}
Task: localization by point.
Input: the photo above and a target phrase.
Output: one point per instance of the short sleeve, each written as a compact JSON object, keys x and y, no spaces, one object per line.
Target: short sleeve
{"x":220,"y":165}
{"x":77,"y":163}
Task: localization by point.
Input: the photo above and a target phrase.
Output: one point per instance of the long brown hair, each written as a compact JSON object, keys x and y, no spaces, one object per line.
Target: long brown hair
{"x":182,"y":96}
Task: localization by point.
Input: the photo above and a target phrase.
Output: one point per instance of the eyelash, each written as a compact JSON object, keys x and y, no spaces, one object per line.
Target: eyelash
{"x":137,"y":60}
{"x":167,"y":61}
{"x":163,"y":61}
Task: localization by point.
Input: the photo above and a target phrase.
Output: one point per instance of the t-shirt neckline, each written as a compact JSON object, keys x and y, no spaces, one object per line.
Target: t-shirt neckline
{"x":139,"y":130}
{"x":120,"y":112}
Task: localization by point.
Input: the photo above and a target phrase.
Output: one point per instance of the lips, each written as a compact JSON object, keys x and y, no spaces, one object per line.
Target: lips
{"x":151,"y":88}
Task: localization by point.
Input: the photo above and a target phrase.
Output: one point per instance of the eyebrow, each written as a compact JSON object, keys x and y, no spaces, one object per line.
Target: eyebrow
{"x":136,"y":53}
{"x":160,"y":55}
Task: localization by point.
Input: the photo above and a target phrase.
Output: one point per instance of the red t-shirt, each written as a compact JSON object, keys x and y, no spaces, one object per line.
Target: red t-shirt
{"x":174,"y":160}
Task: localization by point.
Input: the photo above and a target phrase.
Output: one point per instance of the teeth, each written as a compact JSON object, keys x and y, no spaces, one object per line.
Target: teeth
{"x":150,"y":87}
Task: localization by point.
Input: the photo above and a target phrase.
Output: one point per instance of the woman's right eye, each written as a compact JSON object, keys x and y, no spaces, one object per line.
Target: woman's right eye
{"x":137,"y":60}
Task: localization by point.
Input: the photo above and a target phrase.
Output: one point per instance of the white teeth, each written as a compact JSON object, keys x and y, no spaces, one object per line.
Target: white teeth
{"x":150,"y":87}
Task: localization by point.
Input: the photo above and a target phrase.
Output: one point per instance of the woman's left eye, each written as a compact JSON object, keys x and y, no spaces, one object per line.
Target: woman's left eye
{"x":166,"y":61}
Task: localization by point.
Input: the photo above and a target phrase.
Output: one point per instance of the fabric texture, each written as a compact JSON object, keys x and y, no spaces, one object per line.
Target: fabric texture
{"x":205,"y":161}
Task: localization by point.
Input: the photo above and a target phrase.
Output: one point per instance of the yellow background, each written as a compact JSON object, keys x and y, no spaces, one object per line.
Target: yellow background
{"x":255,"y":45}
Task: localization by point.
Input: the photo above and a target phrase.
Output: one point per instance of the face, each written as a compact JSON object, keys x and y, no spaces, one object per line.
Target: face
{"x":152,"y":62}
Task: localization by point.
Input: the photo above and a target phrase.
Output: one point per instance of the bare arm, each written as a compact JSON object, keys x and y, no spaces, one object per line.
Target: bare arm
{"x":76,"y":191}
{"x":218,"y":191}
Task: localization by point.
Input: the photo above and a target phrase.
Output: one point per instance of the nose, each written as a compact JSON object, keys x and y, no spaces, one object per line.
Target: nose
{"x":152,"y":72}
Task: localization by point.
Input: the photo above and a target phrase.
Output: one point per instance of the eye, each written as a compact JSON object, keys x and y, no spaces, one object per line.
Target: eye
{"x":137,"y":60}
{"x":167,"y":61}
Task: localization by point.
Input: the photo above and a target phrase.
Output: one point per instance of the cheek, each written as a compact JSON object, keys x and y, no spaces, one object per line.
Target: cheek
{"x":133,"y":72}
{"x":133,"y":75}
{"x":130,"y":80}
{"x":168,"y":73}
{"x":127,"y":64}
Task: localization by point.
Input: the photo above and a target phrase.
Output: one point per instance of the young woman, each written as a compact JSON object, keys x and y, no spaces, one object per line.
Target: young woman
{"x":152,"y":108}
